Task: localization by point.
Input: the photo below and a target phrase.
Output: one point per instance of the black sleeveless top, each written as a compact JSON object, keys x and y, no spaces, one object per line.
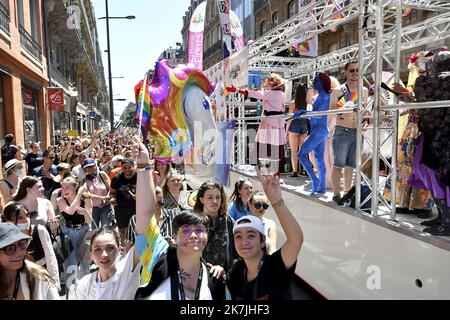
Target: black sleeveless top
{"x":75,"y":218}
{"x":35,"y":247}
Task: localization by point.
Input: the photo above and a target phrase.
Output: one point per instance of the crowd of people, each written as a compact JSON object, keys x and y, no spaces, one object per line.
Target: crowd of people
{"x":96,"y":218}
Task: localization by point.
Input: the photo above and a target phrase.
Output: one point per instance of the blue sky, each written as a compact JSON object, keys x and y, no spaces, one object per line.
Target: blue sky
{"x":136,"y":44}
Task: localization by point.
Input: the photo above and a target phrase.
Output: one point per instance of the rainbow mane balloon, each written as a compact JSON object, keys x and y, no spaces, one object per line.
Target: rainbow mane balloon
{"x":344,"y":101}
{"x":170,"y":125}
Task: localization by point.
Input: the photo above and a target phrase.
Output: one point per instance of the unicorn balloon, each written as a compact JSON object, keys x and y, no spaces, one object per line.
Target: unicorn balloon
{"x":181,"y":115}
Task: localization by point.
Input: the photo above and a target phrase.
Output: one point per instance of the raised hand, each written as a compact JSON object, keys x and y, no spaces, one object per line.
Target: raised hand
{"x":140,"y":152}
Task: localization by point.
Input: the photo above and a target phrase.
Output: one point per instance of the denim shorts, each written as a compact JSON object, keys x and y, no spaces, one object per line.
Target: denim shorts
{"x":299,"y":126}
{"x":344,"y":147}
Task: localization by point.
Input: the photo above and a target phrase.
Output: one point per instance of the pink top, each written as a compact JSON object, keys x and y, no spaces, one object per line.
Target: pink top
{"x":270,"y":131}
{"x":97,"y":187}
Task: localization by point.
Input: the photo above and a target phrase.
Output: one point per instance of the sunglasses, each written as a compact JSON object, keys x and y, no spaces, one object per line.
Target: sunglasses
{"x":259,"y":205}
{"x":188,"y":229}
{"x":353,"y":70}
{"x":11,"y":249}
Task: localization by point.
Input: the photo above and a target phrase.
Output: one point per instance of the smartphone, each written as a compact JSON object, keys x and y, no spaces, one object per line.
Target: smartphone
{"x":268,"y":167}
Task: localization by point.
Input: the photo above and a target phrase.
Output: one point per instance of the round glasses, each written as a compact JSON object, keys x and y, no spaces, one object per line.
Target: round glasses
{"x":12,"y":248}
{"x":259,"y":205}
{"x":188,"y":229}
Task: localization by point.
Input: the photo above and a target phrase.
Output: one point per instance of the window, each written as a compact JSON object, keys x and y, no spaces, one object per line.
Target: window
{"x":275,"y":20}
{"x":248,"y":8}
{"x":292,"y":8}
{"x":20,"y":12}
{"x":263,"y":28}
{"x":34,"y":20}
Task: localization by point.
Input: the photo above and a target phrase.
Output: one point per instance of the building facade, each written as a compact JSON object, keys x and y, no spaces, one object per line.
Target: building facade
{"x":173,"y":55}
{"x":23,"y":72}
{"x":76,"y":66}
{"x":49,"y":44}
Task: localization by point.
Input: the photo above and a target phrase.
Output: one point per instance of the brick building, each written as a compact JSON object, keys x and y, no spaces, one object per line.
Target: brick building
{"x":38,"y":42}
{"x":23,"y":72}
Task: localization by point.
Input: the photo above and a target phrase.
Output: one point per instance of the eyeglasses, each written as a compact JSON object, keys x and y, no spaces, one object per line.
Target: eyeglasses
{"x":11,"y":249}
{"x":259,"y":205}
{"x":188,"y":229}
{"x":353,"y":70}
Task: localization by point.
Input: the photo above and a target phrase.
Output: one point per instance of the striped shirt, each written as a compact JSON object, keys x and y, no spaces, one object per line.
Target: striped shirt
{"x":164,"y":223}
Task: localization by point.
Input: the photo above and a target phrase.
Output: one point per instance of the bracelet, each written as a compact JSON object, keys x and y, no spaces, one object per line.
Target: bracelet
{"x":143,"y":165}
{"x":147,"y":168}
{"x":278,"y":204}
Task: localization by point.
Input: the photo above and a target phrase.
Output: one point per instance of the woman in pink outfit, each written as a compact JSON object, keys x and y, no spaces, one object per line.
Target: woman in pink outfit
{"x":270,"y":136}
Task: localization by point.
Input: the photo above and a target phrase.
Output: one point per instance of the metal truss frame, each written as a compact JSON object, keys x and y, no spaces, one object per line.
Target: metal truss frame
{"x":235,"y":104}
{"x":412,"y":36}
{"x":381,"y":40}
{"x":380,"y":33}
{"x":430,"y":5}
{"x":312,"y":19}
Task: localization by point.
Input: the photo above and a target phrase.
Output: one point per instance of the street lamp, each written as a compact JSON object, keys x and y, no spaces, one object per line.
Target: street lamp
{"x":111,"y":100}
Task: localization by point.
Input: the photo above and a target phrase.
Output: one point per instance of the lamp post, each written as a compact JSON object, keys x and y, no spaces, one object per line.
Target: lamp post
{"x":111,"y":100}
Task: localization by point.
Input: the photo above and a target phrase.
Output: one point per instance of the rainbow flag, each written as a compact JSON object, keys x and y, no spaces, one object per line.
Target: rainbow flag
{"x":344,"y":101}
{"x":143,"y":102}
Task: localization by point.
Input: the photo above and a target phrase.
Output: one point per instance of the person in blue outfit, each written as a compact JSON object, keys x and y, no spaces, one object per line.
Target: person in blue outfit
{"x":319,"y":133}
{"x":243,"y":190}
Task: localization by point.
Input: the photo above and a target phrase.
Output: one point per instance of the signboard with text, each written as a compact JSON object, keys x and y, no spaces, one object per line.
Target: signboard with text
{"x":55,"y":98}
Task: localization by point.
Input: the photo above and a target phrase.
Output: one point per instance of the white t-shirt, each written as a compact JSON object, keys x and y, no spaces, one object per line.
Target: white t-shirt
{"x":163,"y":292}
{"x":122,"y":286}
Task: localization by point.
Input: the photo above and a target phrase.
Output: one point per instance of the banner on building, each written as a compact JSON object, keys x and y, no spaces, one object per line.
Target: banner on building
{"x":216,"y":74}
{"x":236,"y":31}
{"x":55,"y":99}
{"x":196,"y":27}
{"x":236,"y":69}
{"x":225,"y":23}
{"x":27,"y":96}
{"x":308,"y":47}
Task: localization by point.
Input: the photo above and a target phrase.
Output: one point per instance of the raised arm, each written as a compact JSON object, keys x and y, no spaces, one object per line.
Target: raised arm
{"x":294,"y":235}
{"x":145,"y":190}
{"x":71,"y":209}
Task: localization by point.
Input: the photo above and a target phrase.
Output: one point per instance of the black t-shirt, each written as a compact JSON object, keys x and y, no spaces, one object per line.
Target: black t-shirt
{"x":124,"y":186}
{"x":166,"y":267}
{"x":32,"y":162}
{"x":272,"y":283}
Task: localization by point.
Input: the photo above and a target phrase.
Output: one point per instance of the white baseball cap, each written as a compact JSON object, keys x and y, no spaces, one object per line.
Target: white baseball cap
{"x":249,"y":222}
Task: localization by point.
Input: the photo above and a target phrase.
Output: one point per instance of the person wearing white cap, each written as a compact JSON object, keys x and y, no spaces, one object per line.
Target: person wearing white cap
{"x":21,"y":279}
{"x":260,"y":276}
{"x":12,"y":171}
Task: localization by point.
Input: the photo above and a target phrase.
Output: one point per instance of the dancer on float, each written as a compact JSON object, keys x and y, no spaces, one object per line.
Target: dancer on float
{"x":271,"y":135}
{"x":319,"y":132}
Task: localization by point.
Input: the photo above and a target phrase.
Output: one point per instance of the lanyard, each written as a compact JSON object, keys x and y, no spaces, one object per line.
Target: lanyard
{"x":255,"y":287}
{"x":16,"y":286}
{"x":199,"y":283}
{"x":98,"y":283}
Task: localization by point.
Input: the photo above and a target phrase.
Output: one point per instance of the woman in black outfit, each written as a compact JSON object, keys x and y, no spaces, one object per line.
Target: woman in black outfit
{"x":297,"y":129}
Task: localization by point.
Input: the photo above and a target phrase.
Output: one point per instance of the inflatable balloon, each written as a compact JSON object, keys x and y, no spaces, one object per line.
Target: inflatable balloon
{"x":174,"y":110}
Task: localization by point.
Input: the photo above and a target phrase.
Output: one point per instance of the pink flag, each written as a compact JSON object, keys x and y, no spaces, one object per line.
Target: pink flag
{"x":196,"y":27}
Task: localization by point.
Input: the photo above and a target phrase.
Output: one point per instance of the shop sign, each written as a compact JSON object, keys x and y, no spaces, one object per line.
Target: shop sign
{"x":27,"y":96}
{"x":55,"y":99}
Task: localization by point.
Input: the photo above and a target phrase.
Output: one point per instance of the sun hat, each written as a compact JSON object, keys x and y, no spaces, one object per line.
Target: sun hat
{"x":11,"y":164}
{"x":249,"y":222}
